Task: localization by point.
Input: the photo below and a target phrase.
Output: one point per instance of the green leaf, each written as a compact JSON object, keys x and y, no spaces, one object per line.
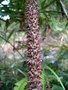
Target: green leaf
{"x":1,"y":1}
{"x":22,"y":72}
{"x":66,"y":24}
{"x":57,"y":6}
{"x":56,"y":87}
{"x":43,"y":4}
{"x":40,"y":21}
{"x":12,"y":26}
{"x":46,"y":16}
{"x":21,"y":84}
{"x":11,"y":33}
{"x":56,"y":76}
{"x":43,"y":80}
{"x":2,"y":25}
{"x":50,"y":3}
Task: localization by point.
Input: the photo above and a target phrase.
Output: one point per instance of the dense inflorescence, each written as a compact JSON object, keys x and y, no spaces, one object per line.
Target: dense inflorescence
{"x":33,"y":47}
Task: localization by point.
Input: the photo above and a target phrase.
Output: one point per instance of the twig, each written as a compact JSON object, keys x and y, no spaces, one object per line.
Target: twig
{"x":63,"y":7}
{"x":52,"y":11}
{"x":11,"y":45}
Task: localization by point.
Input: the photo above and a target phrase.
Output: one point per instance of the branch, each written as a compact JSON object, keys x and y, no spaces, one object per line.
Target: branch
{"x":55,"y":12}
{"x":63,"y":7}
{"x":52,"y":12}
{"x":11,"y":45}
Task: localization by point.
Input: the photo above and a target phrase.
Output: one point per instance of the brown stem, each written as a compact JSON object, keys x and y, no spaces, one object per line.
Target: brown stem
{"x":33,"y":47}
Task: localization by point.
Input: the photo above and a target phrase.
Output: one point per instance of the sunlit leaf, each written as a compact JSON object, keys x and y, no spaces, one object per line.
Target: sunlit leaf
{"x":20,"y":85}
{"x":43,"y":80}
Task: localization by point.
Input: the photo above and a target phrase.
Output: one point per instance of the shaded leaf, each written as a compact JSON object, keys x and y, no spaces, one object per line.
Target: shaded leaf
{"x":56,"y":87}
{"x":58,"y":6}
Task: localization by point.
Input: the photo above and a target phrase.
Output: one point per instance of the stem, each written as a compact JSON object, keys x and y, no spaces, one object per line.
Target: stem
{"x":33,"y":47}
{"x":11,"y":45}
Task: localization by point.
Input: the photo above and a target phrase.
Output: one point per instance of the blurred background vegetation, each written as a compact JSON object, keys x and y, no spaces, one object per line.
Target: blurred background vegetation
{"x":53,"y":28}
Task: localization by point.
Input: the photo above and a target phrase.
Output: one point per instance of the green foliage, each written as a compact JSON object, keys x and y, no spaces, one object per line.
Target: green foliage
{"x":58,"y":6}
{"x":20,"y":85}
{"x":2,"y":25}
{"x":55,"y":87}
{"x":14,"y":10}
{"x":7,"y":79}
{"x":48,"y":13}
{"x":43,"y":80}
{"x":20,"y":76}
{"x":10,"y":75}
{"x":59,"y":66}
{"x":63,"y":53}
{"x":56,"y":76}
{"x":56,"y":25}
{"x":13,"y":27}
